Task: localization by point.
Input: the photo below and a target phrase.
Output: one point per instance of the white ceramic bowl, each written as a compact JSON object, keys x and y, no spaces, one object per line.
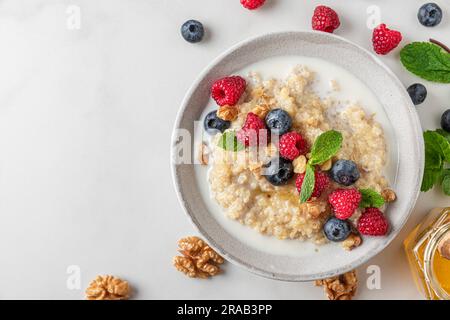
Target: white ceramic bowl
{"x":405,"y":148}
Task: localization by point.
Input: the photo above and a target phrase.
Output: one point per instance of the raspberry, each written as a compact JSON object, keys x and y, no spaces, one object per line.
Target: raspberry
{"x":252,"y":4}
{"x":373,"y":223}
{"x":344,"y":202}
{"x":384,"y":40}
{"x":251,"y":131}
{"x":228,"y":90}
{"x":292,"y":145}
{"x":321,"y":183}
{"x":325,"y":19}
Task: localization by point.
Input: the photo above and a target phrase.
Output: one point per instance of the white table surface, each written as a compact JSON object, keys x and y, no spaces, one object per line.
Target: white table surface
{"x":85,"y":122}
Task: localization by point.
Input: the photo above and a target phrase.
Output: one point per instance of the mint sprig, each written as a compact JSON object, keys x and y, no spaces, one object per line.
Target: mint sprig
{"x":427,"y":60}
{"x":370,"y":199}
{"x":437,"y":157}
{"x":323,"y":149}
{"x":229,"y":142}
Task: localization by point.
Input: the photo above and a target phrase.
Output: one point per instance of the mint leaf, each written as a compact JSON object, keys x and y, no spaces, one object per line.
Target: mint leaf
{"x":308,"y":184}
{"x":229,"y":142}
{"x":370,"y":199}
{"x":325,"y":146}
{"x":427,"y":61}
{"x":430,"y":176}
{"x":444,"y":133}
{"x":446,"y":183}
{"x":433,"y":160}
{"x":436,"y":143}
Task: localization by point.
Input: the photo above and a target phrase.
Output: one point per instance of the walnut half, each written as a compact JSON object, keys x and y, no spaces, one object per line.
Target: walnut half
{"x":108,"y":288}
{"x":342,"y":287}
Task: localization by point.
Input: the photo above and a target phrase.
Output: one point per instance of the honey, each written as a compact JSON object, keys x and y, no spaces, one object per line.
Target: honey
{"x":430,"y":269}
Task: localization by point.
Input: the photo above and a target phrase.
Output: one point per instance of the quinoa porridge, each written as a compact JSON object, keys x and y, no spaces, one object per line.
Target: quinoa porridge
{"x":237,"y":181}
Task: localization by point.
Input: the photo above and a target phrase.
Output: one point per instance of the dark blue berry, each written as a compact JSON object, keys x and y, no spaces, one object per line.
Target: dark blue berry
{"x":418,"y":93}
{"x":192,"y":31}
{"x":445,"y":120}
{"x":344,"y":172}
{"x":337,"y":230}
{"x":278,"y":121}
{"x":430,"y":14}
{"x":278,"y":171}
{"x":213,"y":123}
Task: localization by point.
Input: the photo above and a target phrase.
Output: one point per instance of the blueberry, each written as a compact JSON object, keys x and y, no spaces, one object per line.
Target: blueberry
{"x":337,"y":230}
{"x":278,"y":171}
{"x":344,"y":172}
{"x":192,"y":31}
{"x":278,"y":121}
{"x":430,"y":15}
{"x":213,"y":123}
{"x":445,"y":120}
{"x":418,"y":93}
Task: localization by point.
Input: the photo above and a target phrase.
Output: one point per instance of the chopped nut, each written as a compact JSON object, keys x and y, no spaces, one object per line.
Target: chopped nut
{"x":300,"y":164}
{"x":203,"y":152}
{"x":227,"y":113}
{"x":108,"y":288}
{"x":326,"y":165}
{"x":353,"y":241}
{"x":342,"y":287}
{"x":388,"y":195}
{"x":444,"y":246}
{"x":199,"y":260}
{"x":261,"y":110}
{"x":308,"y":155}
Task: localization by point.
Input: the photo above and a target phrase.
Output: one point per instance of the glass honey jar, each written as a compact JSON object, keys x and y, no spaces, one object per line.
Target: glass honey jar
{"x":427,"y":251}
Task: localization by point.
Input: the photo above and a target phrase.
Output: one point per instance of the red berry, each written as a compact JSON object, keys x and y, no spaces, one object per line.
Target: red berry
{"x":252,"y":4}
{"x":253,"y":129}
{"x":325,"y":19}
{"x":344,"y":202}
{"x":321,"y":183}
{"x":228,"y":90}
{"x":292,"y":145}
{"x":373,"y":223}
{"x":384,"y":40}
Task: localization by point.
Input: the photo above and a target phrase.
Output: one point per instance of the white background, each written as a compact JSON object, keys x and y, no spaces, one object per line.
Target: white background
{"x":85,"y":123}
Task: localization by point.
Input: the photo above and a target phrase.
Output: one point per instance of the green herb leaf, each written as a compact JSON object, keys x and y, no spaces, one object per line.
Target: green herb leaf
{"x":229,"y":142}
{"x":308,"y":184}
{"x":434,"y":142}
{"x":370,"y":199}
{"x":433,"y":160}
{"x":427,"y":61}
{"x":430,"y":176}
{"x":325,"y":147}
{"x":444,"y":133}
{"x":446,"y":183}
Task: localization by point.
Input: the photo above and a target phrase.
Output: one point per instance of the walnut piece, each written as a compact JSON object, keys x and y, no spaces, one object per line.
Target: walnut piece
{"x":203,"y":154}
{"x":108,"y":288}
{"x":227,"y":113}
{"x":342,"y":287}
{"x":353,"y":241}
{"x":299,"y":164}
{"x":199,"y":260}
{"x":261,"y":110}
{"x":326,"y":165}
{"x":388,"y":195}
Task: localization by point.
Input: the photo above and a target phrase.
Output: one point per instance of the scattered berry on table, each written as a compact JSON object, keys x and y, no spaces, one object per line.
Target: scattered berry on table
{"x":336,"y":229}
{"x":372,"y":223}
{"x":321,"y":183}
{"x":385,"y":40}
{"x":292,"y":145}
{"x":430,"y":15}
{"x":228,"y":90}
{"x":417,"y":92}
{"x":192,"y":31}
{"x":344,"y":172}
{"x":445,"y":120}
{"x":213,"y":123}
{"x":344,"y":202}
{"x":278,"y":121}
{"x":325,"y":19}
{"x":252,"y":4}
{"x":278,"y":171}
{"x":252,"y":131}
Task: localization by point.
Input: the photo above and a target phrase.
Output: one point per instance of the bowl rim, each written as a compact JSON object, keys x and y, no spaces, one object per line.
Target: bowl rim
{"x":235,"y":260}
